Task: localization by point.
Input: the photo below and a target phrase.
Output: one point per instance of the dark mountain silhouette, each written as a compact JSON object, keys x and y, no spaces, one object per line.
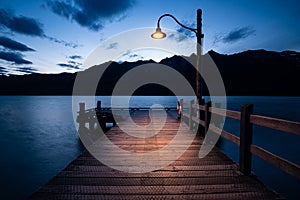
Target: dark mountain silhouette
{"x":253,"y":72}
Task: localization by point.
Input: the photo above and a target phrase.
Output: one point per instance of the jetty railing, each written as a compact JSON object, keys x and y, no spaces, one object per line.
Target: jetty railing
{"x":102,"y":115}
{"x":201,"y":114}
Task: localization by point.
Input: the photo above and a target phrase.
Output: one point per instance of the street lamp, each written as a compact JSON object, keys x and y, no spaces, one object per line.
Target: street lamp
{"x":158,"y":34}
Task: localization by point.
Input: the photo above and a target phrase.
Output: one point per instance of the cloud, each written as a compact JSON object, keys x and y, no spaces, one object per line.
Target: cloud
{"x":70,"y":65}
{"x":177,"y":37}
{"x":235,"y":35}
{"x":74,"y":57}
{"x":182,"y":33}
{"x":91,"y":14}
{"x":130,"y":56}
{"x":113,"y":45}
{"x":135,"y":56}
{"x":74,"y":63}
{"x":187,"y":32}
{"x":14,"y":57}
{"x":66,"y":44}
{"x":21,"y":24}
{"x":27,"y":70}
{"x":14,"y":45}
{"x":27,"y":26}
{"x":3,"y":71}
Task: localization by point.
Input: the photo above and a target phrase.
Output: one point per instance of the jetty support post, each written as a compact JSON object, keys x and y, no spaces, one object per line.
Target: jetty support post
{"x":207,"y":116}
{"x":80,"y":118}
{"x":191,"y":115}
{"x":246,"y":129}
{"x":98,"y":105}
{"x":181,"y":106}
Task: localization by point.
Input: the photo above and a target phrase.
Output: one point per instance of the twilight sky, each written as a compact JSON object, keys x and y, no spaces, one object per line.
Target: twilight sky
{"x":54,"y":36}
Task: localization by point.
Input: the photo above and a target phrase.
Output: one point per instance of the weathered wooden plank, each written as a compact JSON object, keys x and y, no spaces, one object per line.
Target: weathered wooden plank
{"x":217,"y":196}
{"x":152,"y":190}
{"x":198,"y":107}
{"x":277,"y":124}
{"x":281,"y":163}
{"x":178,"y":174}
{"x":226,"y":134}
{"x":227,"y":113}
{"x":155,"y":181}
{"x":198,"y":121}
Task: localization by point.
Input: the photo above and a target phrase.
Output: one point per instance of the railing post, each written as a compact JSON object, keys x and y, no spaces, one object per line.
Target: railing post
{"x":246,"y":139}
{"x":98,"y":105}
{"x":218,"y":120}
{"x":191,"y":115}
{"x":207,"y":116}
{"x":81,"y":108}
{"x":181,"y":105}
{"x":92,"y":124}
{"x":80,"y":118}
{"x":201,"y":128}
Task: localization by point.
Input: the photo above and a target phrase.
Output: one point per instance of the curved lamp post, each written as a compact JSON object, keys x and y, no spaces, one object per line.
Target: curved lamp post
{"x":158,"y":34}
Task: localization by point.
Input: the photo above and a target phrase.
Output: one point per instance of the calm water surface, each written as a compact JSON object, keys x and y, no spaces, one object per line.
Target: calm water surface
{"x":38,"y":139}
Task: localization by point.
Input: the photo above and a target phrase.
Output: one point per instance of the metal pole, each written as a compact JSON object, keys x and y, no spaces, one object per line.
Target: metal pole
{"x":199,"y":53}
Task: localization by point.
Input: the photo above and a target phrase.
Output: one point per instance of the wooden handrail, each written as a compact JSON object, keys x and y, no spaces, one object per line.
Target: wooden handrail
{"x":229,"y":136}
{"x":277,"y":124}
{"x":130,"y":108}
{"x":247,"y":119}
{"x":199,"y":107}
{"x":226,"y":113}
{"x":281,"y":163}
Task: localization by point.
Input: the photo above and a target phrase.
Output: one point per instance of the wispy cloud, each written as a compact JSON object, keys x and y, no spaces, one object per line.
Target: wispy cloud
{"x":65,"y":43}
{"x":74,"y":57}
{"x":135,"y":56}
{"x":26,"y":70}
{"x":3,"y":71}
{"x":91,"y":14}
{"x":183,"y":34}
{"x":177,"y":37}
{"x":235,"y":35}
{"x":27,"y":26}
{"x":130,"y":57}
{"x":187,"y":32}
{"x":14,"y":45}
{"x":14,"y":57}
{"x":113,"y":45}
{"x":70,"y":65}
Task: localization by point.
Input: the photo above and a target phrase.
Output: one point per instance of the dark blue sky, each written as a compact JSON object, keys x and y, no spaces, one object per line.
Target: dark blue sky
{"x":57,"y":35}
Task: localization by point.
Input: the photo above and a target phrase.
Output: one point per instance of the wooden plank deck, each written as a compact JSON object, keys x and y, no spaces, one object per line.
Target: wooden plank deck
{"x":189,"y":177}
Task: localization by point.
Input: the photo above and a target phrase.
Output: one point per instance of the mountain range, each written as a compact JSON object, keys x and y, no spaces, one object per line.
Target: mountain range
{"x":253,"y":72}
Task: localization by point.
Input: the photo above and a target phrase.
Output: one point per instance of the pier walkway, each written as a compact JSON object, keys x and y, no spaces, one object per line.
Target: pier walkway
{"x":189,"y":177}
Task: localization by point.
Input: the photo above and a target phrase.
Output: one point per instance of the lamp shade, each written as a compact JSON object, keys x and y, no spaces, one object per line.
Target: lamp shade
{"x":158,"y":34}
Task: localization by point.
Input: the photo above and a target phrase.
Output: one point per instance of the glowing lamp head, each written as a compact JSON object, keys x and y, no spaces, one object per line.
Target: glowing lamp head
{"x":158,"y":34}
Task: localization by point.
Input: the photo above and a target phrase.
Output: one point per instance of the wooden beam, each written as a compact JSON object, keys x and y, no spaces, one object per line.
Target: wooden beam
{"x":191,"y":114}
{"x":277,"y":124}
{"x":199,"y":107}
{"x":281,"y":163}
{"x":245,"y":139}
{"x":227,"y":113}
{"x":98,"y":105}
{"x":207,"y":116}
{"x":229,"y":136}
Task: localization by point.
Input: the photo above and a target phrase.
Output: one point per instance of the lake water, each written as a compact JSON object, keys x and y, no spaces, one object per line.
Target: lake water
{"x":38,"y":139}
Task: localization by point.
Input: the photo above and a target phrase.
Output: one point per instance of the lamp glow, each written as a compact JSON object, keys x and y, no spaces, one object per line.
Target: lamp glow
{"x":158,"y":34}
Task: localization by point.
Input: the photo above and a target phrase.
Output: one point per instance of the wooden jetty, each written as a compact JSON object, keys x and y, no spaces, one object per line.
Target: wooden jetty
{"x":189,"y":177}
